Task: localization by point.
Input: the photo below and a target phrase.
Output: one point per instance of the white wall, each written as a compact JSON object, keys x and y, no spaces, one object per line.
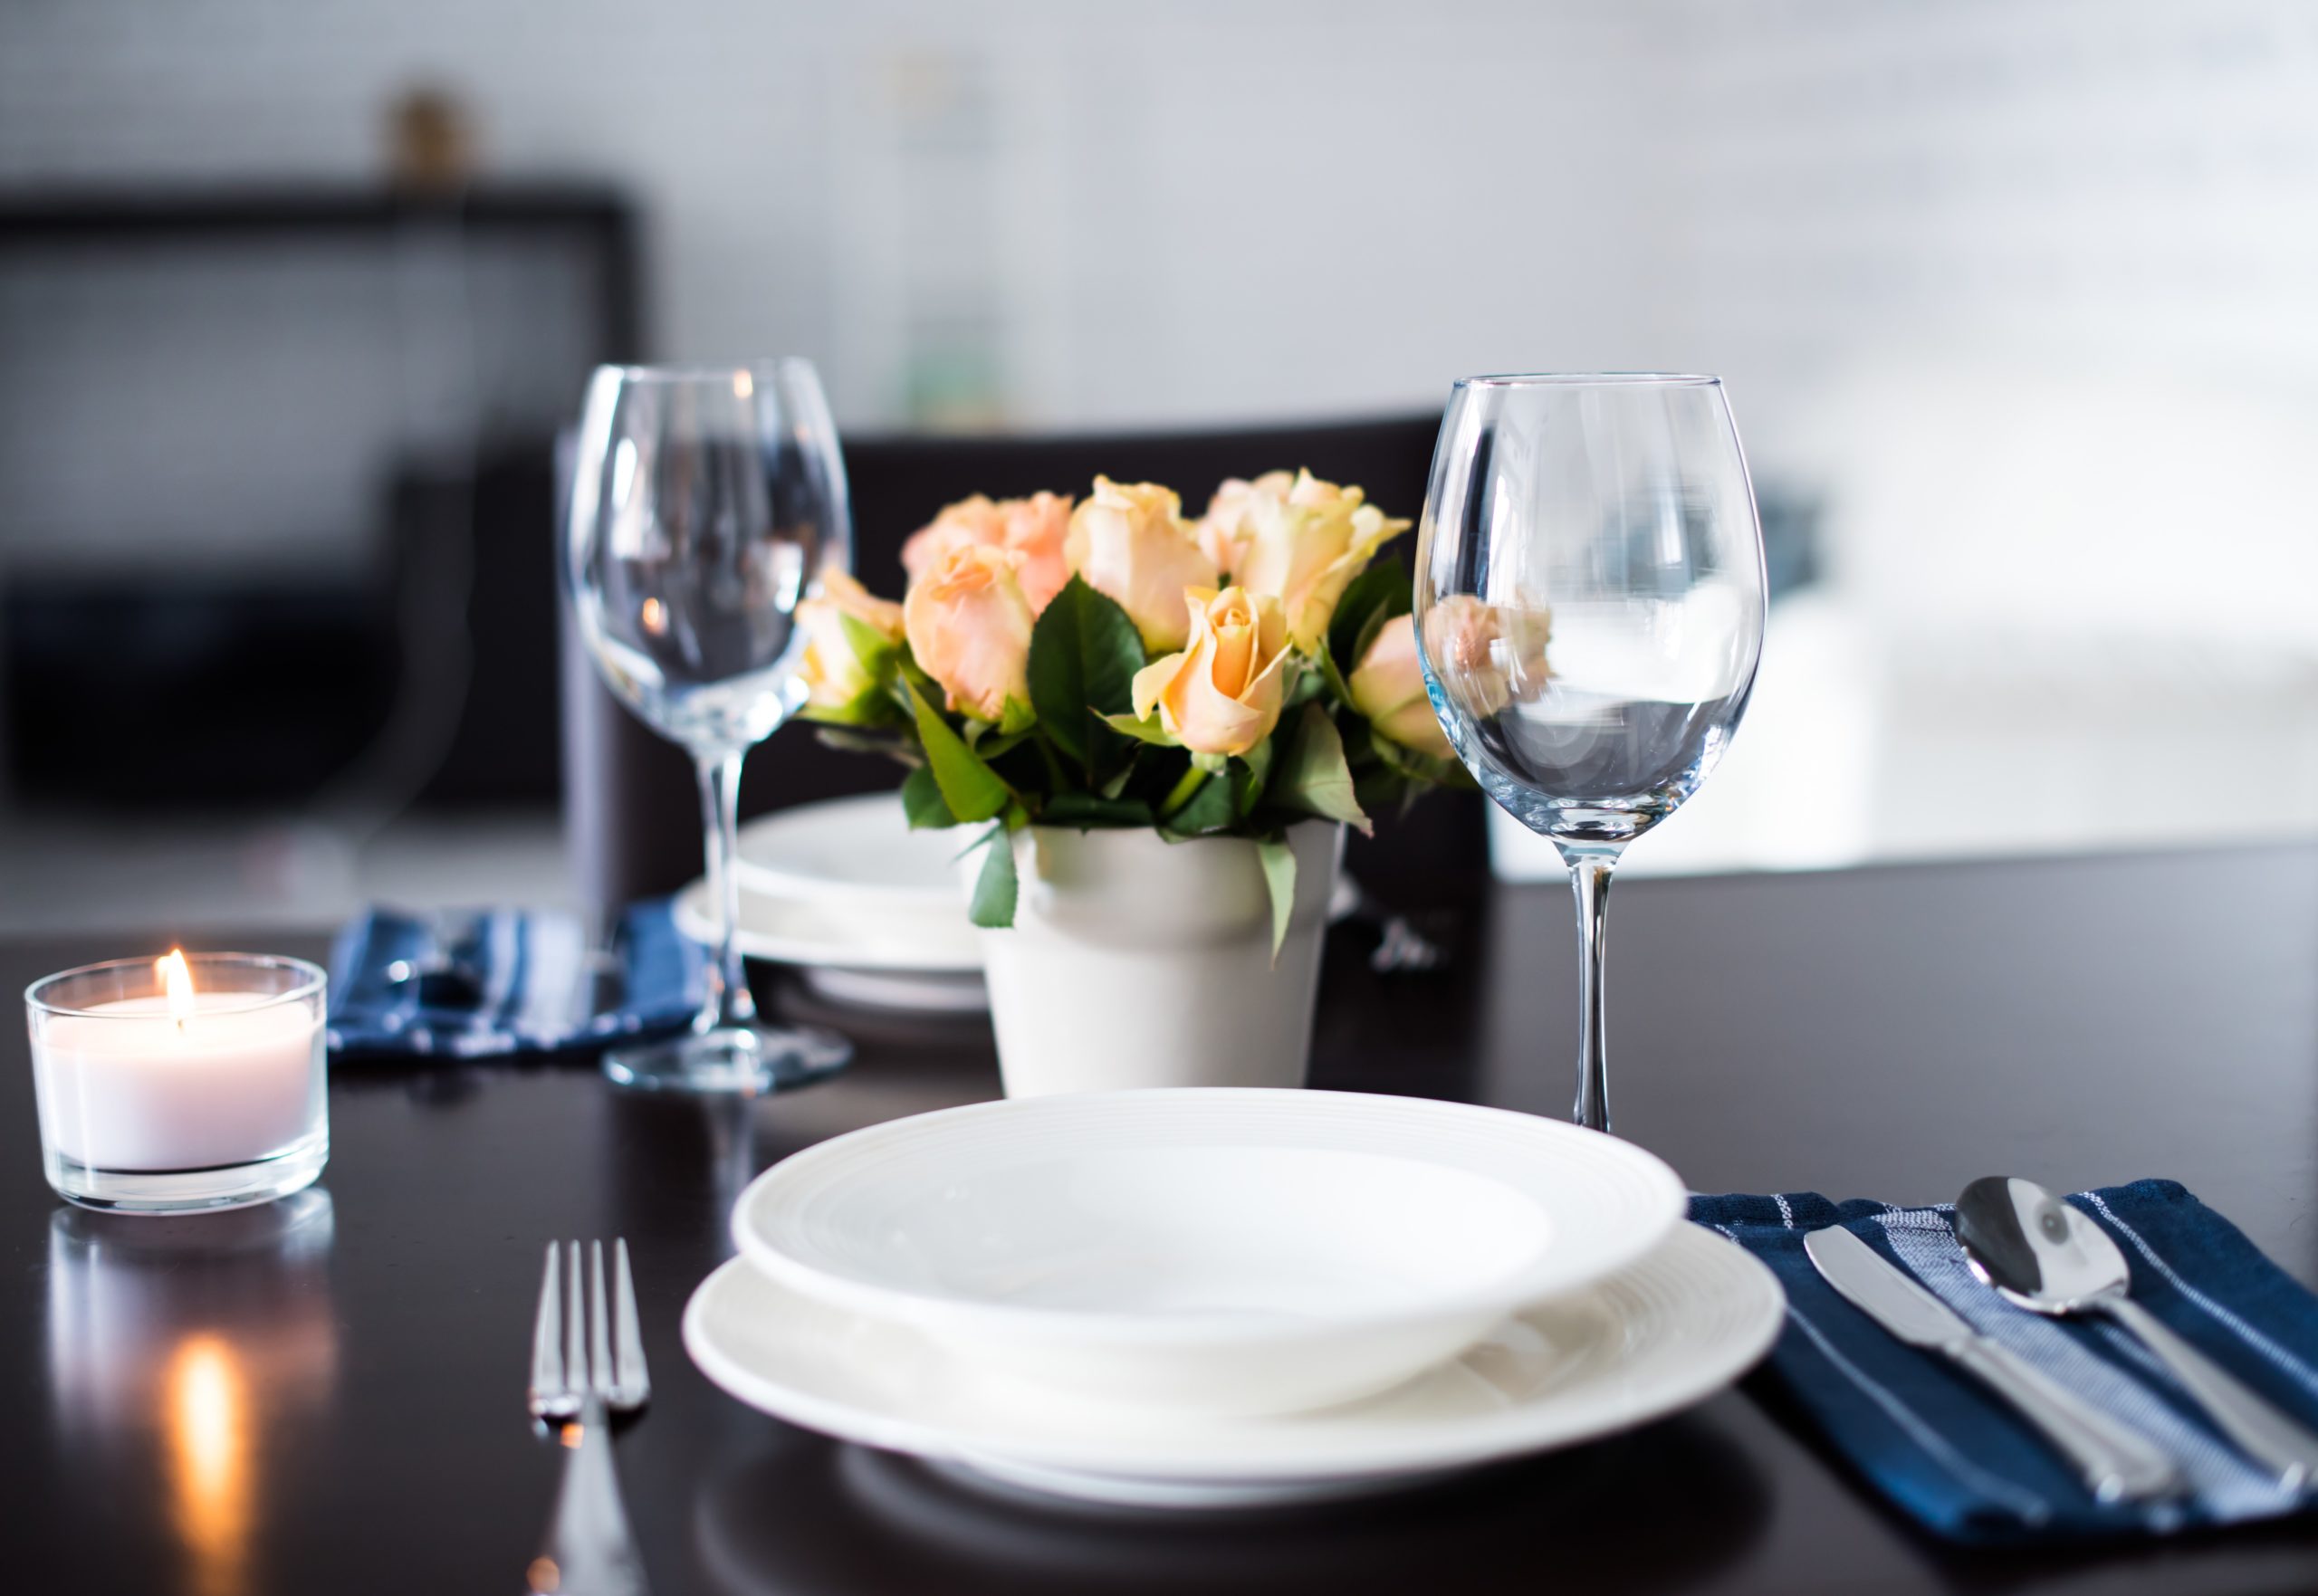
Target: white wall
{"x":1193,"y":211}
{"x":1214,"y":210}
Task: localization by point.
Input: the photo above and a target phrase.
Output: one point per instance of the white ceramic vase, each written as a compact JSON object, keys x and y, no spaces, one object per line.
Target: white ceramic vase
{"x":1136,"y":961}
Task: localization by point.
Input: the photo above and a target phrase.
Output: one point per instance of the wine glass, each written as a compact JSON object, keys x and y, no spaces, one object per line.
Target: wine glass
{"x":1589,"y":603}
{"x":705,"y":503}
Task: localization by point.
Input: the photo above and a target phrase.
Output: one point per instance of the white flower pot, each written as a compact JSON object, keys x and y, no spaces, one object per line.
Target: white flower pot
{"x":1135,"y":962}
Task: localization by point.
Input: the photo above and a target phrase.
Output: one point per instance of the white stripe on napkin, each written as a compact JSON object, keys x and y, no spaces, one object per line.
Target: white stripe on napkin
{"x":2031,"y":1507}
{"x":2273,"y":1353}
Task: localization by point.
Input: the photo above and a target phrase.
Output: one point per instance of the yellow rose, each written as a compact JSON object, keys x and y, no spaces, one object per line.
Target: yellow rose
{"x":832,"y":673}
{"x":1222,"y":530}
{"x":969,"y":628}
{"x":1221,"y":694}
{"x":1304,"y":548}
{"x":1486,"y":656}
{"x":1388,"y":688}
{"x":1130,"y":541}
{"x":1033,"y":528}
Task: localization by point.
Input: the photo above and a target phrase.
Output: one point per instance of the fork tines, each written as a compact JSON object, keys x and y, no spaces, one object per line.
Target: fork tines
{"x":580,"y":1345}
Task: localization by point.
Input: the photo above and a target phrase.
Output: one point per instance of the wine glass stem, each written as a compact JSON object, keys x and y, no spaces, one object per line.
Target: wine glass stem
{"x":729,"y":1001}
{"x":1589,"y":878}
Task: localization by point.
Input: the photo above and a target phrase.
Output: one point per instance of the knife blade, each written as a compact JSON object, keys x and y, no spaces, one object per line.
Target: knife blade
{"x":1881,"y":1292}
{"x":2115,"y":1461}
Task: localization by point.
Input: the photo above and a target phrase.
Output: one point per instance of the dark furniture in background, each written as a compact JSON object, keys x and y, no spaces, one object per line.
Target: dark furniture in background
{"x":631,"y":808}
{"x":246,"y":1404}
{"x":278,"y":457}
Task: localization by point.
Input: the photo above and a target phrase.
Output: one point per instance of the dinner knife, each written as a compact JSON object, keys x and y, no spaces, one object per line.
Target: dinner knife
{"x":2117,"y":1462}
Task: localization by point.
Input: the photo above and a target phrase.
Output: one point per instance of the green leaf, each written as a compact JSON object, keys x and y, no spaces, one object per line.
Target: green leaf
{"x":1279,"y":876}
{"x":970,"y":788}
{"x":1313,"y":776}
{"x":999,"y":746}
{"x":1249,"y":775}
{"x":872,"y":706}
{"x":1084,"y":654}
{"x":854,"y":740}
{"x":995,"y":887}
{"x":1149,"y":731}
{"x":874,"y":650}
{"x":1372,"y":598}
{"x":1086,"y":810}
{"x":1209,"y":810}
{"x":1308,"y":685}
{"x":921,"y":801}
{"x":1016,"y":718}
{"x":1419,"y":767}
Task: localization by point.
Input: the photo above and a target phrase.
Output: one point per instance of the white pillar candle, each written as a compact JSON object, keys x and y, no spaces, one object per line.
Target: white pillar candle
{"x":184,"y":1081}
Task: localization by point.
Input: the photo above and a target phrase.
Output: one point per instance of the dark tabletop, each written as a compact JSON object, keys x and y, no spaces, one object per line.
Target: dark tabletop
{"x":327,"y":1395}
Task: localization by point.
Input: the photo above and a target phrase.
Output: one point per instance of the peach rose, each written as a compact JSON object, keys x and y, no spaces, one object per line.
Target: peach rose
{"x":832,"y":671}
{"x":1222,"y":530}
{"x":1388,"y":688}
{"x":1221,"y":694}
{"x":1486,"y":656}
{"x":1305,"y":547}
{"x":1130,"y":541}
{"x":1033,"y":528}
{"x":969,"y":627}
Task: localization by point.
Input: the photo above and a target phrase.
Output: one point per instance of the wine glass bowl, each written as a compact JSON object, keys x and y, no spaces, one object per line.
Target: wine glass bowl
{"x":1590,"y":603}
{"x":705,"y":503}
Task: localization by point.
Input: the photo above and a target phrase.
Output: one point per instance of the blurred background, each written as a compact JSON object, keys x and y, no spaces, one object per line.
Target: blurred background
{"x":2017,"y":304}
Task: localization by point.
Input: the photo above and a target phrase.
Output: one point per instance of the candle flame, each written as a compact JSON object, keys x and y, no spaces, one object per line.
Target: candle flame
{"x":176,"y":979}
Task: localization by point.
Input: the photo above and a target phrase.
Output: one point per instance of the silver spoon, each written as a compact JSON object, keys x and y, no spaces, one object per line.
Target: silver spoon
{"x":2046,"y":1256}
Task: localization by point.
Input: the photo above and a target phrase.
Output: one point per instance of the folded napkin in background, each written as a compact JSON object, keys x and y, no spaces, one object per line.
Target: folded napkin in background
{"x":1934,"y":1441}
{"x":491,"y":982}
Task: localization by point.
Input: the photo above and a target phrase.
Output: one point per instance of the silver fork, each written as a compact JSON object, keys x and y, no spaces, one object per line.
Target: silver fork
{"x":587,"y":1363}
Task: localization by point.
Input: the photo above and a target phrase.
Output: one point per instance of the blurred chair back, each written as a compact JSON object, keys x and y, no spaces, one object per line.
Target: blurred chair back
{"x":631,"y":809}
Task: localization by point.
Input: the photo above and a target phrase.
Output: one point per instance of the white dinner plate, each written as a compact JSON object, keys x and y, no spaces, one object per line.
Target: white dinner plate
{"x":1667,"y":1331}
{"x":1222,"y":1250}
{"x":855,"y":854}
{"x":806,"y":934}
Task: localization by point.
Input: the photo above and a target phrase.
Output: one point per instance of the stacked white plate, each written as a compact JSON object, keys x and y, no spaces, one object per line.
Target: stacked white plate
{"x":1214,"y":1298}
{"x":867,"y":910}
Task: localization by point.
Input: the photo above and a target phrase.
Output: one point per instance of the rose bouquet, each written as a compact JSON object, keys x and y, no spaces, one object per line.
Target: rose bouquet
{"x":1112,"y":664}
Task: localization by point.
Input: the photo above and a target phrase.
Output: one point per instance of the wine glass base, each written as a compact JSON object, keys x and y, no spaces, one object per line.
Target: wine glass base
{"x":739,"y":1060}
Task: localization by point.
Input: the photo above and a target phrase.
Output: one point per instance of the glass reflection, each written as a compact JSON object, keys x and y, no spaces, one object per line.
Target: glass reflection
{"x":177,"y":1346}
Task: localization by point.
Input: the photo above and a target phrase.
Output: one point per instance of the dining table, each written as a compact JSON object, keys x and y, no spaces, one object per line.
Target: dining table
{"x":327,"y":1393}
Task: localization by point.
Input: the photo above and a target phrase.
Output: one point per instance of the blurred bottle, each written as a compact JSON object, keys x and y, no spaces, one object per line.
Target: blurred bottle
{"x":430,"y":141}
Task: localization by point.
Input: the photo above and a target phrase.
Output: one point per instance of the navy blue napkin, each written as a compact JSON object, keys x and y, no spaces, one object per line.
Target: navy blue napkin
{"x":497,"y":981}
{"x":1932,"y":1439}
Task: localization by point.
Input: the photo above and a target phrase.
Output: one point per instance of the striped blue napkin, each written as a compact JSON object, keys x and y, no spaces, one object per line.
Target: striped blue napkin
{"x":491,"y":982}
{"x":1934,"y":1441}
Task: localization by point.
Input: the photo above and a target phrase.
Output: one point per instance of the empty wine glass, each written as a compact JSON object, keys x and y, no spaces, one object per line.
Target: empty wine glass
{"x":705,"y":503}
{"x":1589,"y":602}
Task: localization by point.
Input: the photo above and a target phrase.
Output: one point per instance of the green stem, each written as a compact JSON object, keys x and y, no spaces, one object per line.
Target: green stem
{"x":1194,"y":780}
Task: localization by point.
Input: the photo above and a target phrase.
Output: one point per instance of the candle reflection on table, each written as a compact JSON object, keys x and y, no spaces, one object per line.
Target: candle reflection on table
{"x":206,"y":1404}
{"x":174,"y":1344}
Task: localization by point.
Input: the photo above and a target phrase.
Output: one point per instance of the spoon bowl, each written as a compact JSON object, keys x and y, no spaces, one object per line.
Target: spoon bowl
{"x":2046,"y":1255}
{"x":2035,"y":1248}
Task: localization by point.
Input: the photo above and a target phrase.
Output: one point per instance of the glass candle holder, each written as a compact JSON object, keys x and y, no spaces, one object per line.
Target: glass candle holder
{"x":187,"y":1082}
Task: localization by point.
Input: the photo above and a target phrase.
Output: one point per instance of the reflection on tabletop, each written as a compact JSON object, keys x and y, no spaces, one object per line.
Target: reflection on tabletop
{"x":173,"y":1342}
{"x":905,"y":1525}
